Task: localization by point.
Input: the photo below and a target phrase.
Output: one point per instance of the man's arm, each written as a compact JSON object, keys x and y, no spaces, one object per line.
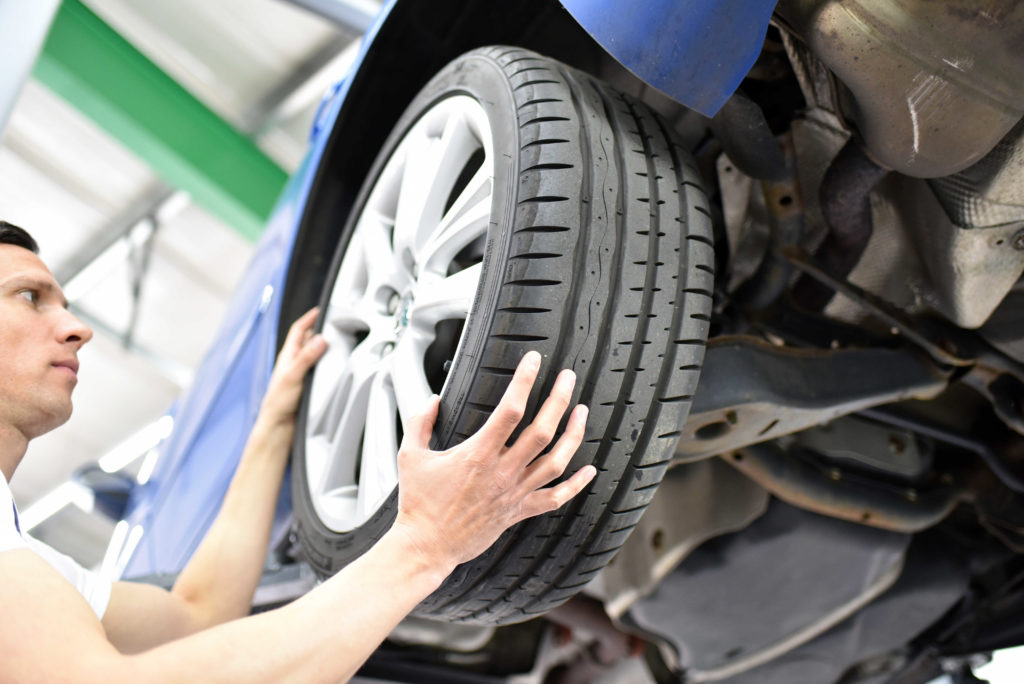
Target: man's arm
{"x":219,"y":580}
{"x":453,"y":504}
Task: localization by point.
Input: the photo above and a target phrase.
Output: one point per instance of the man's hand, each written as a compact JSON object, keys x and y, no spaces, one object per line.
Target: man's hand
{"x":454,"y":504}
{"x":301,"y":350}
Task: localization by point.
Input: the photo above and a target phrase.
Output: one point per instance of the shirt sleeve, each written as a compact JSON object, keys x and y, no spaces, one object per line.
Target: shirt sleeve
{"x":10,"y":537}
{"x":93,"y":588}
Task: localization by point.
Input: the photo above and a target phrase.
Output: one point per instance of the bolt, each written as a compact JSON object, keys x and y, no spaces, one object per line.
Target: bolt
{"x":835,"y":474}
{"x":912,"y":495}
{"x":388,"y":348}
{"x":896,"y":444}
{"x":1018,"y":240}
{"x":393,"y":301}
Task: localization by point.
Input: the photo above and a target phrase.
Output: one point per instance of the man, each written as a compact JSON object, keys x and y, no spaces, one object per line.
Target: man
{"x":452,"y":506}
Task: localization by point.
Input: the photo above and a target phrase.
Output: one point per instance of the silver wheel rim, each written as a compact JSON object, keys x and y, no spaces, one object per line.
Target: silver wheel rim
{"x":412,"y":263}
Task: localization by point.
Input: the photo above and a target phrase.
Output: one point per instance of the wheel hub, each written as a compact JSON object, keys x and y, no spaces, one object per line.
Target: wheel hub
{"x":403,"y":307}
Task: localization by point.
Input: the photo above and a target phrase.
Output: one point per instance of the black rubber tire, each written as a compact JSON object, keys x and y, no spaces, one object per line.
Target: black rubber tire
{"x":599,"y":256}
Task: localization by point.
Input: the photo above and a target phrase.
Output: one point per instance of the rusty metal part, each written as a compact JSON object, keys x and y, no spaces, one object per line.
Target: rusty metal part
{"x":829,"y":492}
{"x":784,"y":203}
{"x":1005,"y":392}
{"x":947,"y":345}
{"x":747,"y":224}
{"x":751,"y":391}
{"x":880,"y":308}
{"x":933,"y":86}
{"x":866,"y":444}
{"x":846,"y":206}
{"x":999,"y":467}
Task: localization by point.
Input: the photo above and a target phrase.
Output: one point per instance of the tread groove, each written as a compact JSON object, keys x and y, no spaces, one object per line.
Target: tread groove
{"x":544,"y":119}
{"x":537,"y":81}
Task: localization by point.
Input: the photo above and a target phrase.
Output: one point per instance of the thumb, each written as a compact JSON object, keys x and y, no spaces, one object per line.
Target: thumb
{"x":422,"y":424}
{"x":311,"y":351}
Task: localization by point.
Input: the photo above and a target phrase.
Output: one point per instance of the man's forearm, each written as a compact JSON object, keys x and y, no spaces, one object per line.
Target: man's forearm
{"x":323,"y":636}
{"x":219,"y":580}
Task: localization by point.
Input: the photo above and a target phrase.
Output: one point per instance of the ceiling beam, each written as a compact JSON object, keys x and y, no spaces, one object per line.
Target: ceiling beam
{"x":23,"y":28}
{"x":190,"y":147}
{"x":352,"y":15}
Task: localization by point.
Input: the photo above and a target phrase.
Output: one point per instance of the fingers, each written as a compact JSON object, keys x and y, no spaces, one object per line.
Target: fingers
{"x":541,"y":431}
{"x":301,"y":350}
{"x":553,"y":498}
{"x":552,"y":464}
{"x":510,"y":410}
{"x":301,"y":329}
{"x":421,"y":425}
{"x":310,"y":353}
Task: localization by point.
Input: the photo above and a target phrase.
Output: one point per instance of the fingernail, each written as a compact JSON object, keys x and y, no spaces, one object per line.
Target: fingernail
{"x":584,"y":412}
{"x":566,"y":380}
{"x":532,"y":360}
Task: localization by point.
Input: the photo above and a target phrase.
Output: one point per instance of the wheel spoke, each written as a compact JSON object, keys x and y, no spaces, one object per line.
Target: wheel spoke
{"x":466,"y":221}
{"x":413,"y":191}
{"x":374,"y":231}
{"x":408,"y":375}
{"x":383,"y":266}
{"x":445,"y":298}
{"x":378,"y":470}
{"x":350,"y":283}
{"x":431,"y":170}
{"x":344,"y":439}
{"x":343,"y":320}
{"x":336,"y":382}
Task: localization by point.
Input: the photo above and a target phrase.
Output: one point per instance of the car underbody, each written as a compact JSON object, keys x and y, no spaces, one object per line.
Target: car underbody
{"x":845,"y":500}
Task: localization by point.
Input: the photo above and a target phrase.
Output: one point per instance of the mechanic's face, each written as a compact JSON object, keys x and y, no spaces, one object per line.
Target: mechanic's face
{"x":39,"y":343}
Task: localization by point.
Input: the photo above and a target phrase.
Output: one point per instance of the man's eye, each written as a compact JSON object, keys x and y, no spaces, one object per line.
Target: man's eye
{"x":31,"y":295}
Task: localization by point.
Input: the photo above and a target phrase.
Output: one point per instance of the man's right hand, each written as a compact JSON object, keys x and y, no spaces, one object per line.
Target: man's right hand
{"x":453,"y":504}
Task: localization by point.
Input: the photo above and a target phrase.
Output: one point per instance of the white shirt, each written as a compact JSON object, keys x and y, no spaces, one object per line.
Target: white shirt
{"x":90,"y":585}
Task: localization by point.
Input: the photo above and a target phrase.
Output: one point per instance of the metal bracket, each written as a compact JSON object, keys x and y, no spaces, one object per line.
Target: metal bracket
{"x":751,"y":391}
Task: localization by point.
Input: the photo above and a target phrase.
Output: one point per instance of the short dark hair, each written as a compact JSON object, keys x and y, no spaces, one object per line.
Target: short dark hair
{"x":11,"y":234}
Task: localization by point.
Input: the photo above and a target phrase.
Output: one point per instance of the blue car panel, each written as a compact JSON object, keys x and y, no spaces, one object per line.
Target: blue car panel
{"x":695,"y":52}
{"x":179,"y":502}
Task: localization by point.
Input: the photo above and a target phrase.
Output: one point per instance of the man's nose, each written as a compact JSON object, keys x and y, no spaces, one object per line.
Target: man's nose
{"x":73,"y":330}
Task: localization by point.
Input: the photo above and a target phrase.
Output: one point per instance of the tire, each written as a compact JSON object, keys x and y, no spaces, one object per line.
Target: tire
{"x":596,"y":251}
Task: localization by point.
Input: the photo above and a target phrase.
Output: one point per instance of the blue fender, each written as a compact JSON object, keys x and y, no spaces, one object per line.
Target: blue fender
{"x":695,"y":51}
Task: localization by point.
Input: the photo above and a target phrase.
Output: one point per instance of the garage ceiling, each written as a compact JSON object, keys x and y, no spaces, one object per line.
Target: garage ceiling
{"x":146,"y":266}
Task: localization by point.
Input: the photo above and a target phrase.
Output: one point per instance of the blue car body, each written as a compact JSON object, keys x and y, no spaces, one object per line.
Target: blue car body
{"x":696,"y":52}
